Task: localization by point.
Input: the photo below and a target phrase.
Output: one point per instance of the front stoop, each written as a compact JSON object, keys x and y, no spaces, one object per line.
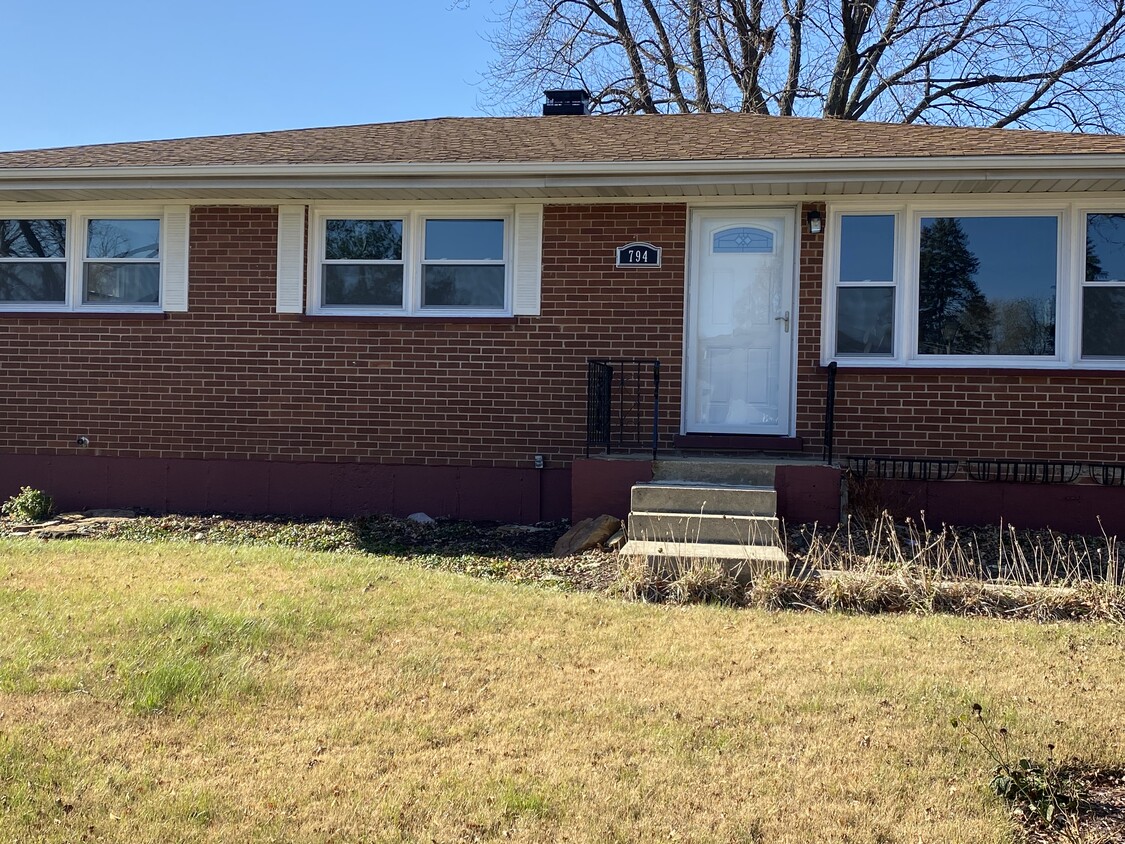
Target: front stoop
{"x":720,"y":511}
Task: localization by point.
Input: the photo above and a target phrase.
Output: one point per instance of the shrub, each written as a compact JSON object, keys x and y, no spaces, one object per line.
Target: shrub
{"x":29,"y":505}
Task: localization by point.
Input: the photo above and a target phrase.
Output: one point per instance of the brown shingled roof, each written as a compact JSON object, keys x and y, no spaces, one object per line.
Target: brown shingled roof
{"x":598,"y":138}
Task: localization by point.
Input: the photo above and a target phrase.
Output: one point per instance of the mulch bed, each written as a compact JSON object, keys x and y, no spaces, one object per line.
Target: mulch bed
{"x":492,"y":550}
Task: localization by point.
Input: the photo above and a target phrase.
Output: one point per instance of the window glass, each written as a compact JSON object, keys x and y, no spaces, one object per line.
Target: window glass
{"x":742,"y":240}
{"x":133,"y":239}
{"x":865,"y":298}
{"x":33,"y":261}
{"x":363,"y":285}
{"x":1105,"y":247}
{"x":1103,"y":295}
{"x":867,"y":247}
{"x":1103,"y":322}
{"x":363,"y":240}
{"x":464,"y":240}
{"x":32,"y":238}
{"x":987,"y":285}
{"x":33,"y":282}
{"x":464,"y":286}
{"x":123,"y":284}
{"x":122,"y":265}
{"x":865,"y":320}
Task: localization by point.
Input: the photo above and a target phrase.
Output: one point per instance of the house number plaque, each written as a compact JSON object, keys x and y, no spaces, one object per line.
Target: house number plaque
{"x":638,"y":255}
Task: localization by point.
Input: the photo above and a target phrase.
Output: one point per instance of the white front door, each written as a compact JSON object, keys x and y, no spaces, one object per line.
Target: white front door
{"x":740,"y":323}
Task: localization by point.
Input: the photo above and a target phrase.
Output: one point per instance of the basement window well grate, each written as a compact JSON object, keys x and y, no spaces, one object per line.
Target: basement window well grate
{"x":1024,"y":471}
{"x":902,"y":468}
{"x":1108,"y":474}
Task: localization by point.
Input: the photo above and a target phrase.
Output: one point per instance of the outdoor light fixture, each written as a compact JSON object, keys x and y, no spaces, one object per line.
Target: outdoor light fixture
{"x":816,"y":222}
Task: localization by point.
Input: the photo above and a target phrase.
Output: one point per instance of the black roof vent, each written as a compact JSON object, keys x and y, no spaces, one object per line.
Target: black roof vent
{"x":566,"y":102}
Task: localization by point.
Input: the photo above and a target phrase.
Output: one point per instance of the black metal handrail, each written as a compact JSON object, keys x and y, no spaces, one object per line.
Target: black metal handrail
{"x":620,"y":393}
{"x":829,"y":411}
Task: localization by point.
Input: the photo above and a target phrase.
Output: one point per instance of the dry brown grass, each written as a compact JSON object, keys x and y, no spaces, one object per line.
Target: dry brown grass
{"x":346,"y":698}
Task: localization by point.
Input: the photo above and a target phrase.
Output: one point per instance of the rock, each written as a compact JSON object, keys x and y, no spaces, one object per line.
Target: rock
{"x":109,"y":514}
{"x":33,"y":526}
{"x":58,"y":532}
{"x":587,"y":534}
{"x":420,"y":518}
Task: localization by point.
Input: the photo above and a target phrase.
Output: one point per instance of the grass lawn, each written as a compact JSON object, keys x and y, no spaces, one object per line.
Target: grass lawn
{"x":188,"y":692}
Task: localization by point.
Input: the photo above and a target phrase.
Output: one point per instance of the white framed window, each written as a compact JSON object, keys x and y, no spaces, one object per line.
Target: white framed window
{"x":95,"y":260}
{"x":1102,"y":308}
{"x":865,"y":285}
{"x":33,"y":261}
{"x":423,"y":261}
{"x":957,"y":283}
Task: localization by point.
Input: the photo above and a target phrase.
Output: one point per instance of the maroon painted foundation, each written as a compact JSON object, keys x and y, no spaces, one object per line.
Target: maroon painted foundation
{"x":1069,"y":508}
{"x":601,"y":487}
{"x":252,"y":487}
{"x":588,"y":488}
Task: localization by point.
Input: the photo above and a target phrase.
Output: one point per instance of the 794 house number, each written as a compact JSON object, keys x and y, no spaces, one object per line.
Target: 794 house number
{"x":638,"y":255}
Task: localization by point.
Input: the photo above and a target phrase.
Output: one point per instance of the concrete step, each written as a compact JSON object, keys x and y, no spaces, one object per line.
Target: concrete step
{"x":685,"y":527}
{"x":704,"y":471}
{"x":741,"y":562}
{"x":704,"y":499}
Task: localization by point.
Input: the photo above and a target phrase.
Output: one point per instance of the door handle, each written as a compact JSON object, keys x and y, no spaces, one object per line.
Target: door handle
{"x":785,"y":319}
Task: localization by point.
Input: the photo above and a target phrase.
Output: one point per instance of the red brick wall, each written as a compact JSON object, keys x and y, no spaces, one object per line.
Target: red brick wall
{"x":231,"y":379}
{"x":810,"y":381}
{"x":1002,"y":414}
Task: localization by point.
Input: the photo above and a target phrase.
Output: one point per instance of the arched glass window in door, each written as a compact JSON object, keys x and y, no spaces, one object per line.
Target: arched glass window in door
{"x":744,"y":239}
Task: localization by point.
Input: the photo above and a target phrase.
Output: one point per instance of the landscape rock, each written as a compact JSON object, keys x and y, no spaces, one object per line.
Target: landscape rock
{"x":109,"y":514}
{"x":58,"y":532}
{"x":30,"y":527}
{"x":587,"y":534}
{"x":420,"y":518}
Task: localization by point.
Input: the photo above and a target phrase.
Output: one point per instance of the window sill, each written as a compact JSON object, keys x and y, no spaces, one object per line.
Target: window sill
{"x":1087,"y":370}
{"x":137,"y":315}
{"x":411,"y":319}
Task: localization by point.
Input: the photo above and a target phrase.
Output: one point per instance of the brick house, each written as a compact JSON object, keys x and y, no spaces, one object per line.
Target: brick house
{"x":399,"y":317}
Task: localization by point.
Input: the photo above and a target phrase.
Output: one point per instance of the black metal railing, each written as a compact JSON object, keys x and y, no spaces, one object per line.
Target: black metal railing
{"x":829,"y":411}
{"x":902,"y":468}
{"x":622,"y":404}
{"x":1024,"y":471}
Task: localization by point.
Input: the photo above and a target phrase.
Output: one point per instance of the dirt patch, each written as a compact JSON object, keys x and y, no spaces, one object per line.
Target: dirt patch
{"x":1099,"y":818}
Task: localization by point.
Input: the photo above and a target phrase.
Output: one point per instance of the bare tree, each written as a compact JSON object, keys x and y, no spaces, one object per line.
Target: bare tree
{"x":1057,"y":64}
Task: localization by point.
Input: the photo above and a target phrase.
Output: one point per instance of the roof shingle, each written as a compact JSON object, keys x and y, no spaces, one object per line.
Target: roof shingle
{"x":577,"y":139}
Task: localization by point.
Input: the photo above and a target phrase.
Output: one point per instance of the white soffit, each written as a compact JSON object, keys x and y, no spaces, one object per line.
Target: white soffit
{"x":545,"y":181}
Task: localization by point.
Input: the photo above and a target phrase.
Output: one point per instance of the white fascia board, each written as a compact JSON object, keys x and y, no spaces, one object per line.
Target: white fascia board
{"x":614,"y":171}
{"x":295,"y":186}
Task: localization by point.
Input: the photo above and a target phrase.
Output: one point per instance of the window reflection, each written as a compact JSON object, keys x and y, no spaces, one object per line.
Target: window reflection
{"x":987,"y":285}
{"x":1103,"y":296}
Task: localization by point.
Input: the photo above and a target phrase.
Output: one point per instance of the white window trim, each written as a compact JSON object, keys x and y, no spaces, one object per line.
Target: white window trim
{"x":413,"y":236}
{"x":1070,"y":275}
{"x":77,"y":218}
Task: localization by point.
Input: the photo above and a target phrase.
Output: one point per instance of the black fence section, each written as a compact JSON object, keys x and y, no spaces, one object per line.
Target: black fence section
{"x":622,"y":404}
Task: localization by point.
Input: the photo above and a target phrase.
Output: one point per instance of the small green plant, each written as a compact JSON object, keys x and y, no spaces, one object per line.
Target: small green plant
{"x":1047,"y":791}
{"x":29,"y":505}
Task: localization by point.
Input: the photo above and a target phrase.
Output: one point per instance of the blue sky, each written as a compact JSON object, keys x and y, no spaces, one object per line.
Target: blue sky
{"x":98,"y":72}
